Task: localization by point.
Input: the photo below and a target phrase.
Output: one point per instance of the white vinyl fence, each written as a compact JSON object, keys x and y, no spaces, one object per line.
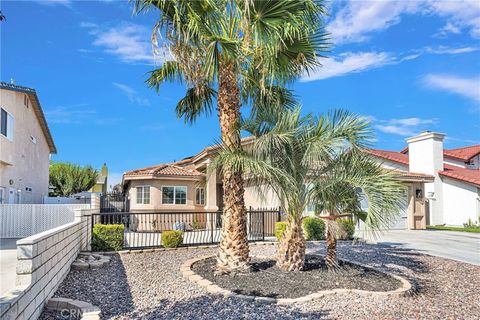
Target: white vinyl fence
{"x":24,"y":220}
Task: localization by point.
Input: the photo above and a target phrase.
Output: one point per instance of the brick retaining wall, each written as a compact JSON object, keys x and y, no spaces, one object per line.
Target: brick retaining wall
{"x":43,"y":261}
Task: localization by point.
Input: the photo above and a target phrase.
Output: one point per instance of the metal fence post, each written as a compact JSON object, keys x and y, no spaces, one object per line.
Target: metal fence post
{"x":263,"y":225}
{"x":211,"y":224}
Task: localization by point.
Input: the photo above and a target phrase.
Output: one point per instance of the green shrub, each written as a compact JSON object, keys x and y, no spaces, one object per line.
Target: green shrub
{"x":314,"y":228}
{"x":172,"y":238}
{"x":348,"y":225}
{"x":280,"y":228}
{"x":107,"y":237}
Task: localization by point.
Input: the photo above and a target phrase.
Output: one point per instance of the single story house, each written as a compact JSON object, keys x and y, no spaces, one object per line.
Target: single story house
{"x":183,"y":186}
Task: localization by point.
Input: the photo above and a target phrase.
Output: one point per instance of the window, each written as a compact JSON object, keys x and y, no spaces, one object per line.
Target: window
{"x":33,"y":139}
{"x":143,"y":195}
{"x":2,"y":195}
{"x":6,"y":124}
{"x":174,"y":195}
{"x":200,"y":196}
{"x":25,"y":100}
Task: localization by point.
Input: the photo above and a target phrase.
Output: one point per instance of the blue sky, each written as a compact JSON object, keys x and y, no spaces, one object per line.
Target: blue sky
{"x":407,"y":65}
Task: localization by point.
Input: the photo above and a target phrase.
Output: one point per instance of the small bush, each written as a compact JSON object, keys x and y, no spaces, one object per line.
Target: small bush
{"x":314,"y":228}
{"x":280,"y":228}
{"x":172,"y":238}
{"x":348,"y":225}
{"x":471,"y":224}
{"x":107,"y":237}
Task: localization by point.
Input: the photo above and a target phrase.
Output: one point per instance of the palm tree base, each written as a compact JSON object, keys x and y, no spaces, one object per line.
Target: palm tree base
{"x":331,"y":256}
{"x":291,"y":249}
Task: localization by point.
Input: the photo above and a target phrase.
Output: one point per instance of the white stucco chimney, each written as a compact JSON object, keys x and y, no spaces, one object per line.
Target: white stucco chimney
{"x":425,"y":155}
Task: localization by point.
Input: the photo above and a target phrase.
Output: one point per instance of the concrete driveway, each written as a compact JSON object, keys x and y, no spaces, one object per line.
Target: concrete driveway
{"x":461,"y":246}
{"x":8,"y":264}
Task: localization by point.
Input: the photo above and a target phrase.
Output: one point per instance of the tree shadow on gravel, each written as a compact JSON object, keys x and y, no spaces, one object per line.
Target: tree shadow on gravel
{"x":106,"y":288}
{"x":385,"y":257}
{"x":207,"y":307}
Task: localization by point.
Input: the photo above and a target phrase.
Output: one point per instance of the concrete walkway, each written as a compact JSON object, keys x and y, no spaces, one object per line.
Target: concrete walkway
{"x":8,"y":264}
{"x":461,"y":246}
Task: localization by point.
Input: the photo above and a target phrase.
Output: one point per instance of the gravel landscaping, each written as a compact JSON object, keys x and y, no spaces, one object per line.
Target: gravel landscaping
{"x":150,"y":286}
{"x":268,"y":281}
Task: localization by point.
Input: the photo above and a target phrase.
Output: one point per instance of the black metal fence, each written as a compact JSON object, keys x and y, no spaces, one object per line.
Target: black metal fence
{"x":113,"y":202}
{"x":144,"y":230}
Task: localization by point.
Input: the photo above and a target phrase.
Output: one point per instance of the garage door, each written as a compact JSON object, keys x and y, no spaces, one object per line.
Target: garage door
{"x":402,"y":218}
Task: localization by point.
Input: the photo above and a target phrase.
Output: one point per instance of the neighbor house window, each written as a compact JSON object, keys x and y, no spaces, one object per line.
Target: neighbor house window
{"x":6,"y":124}
{"x":174,"y":195}
{"x":143,"y":195}
{"x":200,"y":196}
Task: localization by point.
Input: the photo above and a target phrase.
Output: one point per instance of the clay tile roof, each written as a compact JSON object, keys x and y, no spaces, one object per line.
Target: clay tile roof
{"x":414,"y":175}
{"x":165,"y":170}
{"x":462,"y":174}
{"x":465,"y":153}
{"x":389,"y":155}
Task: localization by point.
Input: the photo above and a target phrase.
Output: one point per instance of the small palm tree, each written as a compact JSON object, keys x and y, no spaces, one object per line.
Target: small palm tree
{"x":287,"y":156}
{"x":237,"y":52}
{"x":345,"y":181}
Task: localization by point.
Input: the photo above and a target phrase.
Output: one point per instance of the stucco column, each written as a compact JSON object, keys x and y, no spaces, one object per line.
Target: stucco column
{"x":211,"y":189}
{"x":211,"y":201}
{"x":425,"y":153}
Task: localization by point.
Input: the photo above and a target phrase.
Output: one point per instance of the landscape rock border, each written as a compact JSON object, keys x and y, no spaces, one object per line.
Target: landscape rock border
{"x":189,"y":274}
{"x":87,"y":260}
{"x":87,"y":311}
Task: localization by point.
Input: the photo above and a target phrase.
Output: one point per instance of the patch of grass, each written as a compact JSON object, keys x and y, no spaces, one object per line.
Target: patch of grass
{"x":445,"y":228}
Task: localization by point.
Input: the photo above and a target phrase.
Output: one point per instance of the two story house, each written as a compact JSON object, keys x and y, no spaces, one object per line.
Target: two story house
{"x":453,"y":196}
{"x":25,"y":146}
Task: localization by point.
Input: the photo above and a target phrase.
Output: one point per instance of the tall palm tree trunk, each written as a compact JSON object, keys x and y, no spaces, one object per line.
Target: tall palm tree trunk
{"x":233,"y":252}
{"x":331,"y":239}
{"x":291,"y":248}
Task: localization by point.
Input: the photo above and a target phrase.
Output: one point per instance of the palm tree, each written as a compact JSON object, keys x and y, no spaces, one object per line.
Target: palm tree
{"x":287,"y":156}
{"x":344,"y":182}
{"x":237,"y":52}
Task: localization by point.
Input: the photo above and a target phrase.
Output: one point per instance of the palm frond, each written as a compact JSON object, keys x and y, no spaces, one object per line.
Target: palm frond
{"x":196,"y":102}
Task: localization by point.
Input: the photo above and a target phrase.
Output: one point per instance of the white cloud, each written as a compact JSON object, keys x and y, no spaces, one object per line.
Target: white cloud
{"x":87,"y":24}
{"x":403,"y":126}
{"x":74,"y":114}
{"x":78,"y":114}
{"x":349,"y":63}
{"x":129,"y":42}
{"x":466,"y":87}
{"x":460,"y":14}
{"x":132,"y":94}
{"x":412,"y":121}
{"x":66,"y":3}
{"x":355,"y":21}
{"x":399,"y":130}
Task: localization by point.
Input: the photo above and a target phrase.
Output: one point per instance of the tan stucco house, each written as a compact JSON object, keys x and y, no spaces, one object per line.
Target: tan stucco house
{"x":183,"y":186}
{"x":25,"y":146}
